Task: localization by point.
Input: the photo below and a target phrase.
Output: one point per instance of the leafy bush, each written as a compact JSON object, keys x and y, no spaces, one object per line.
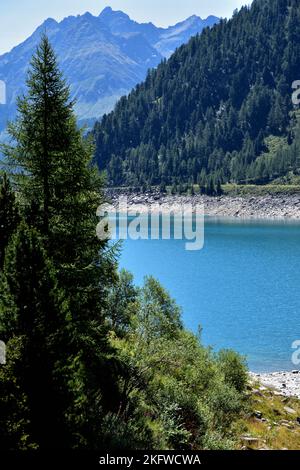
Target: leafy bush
{"x":189,"y":396}
{"x":234,"y":368}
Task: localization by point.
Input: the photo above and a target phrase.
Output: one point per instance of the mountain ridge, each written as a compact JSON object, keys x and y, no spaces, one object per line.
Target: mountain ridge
{"x":103,"y":57}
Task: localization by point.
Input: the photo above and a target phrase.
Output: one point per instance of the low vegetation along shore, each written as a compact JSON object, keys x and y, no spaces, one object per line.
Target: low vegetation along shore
{"x":258,"y":203}
{"x":273,"y":420}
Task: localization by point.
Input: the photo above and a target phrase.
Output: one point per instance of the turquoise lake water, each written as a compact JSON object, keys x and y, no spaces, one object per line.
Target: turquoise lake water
{"x":243,"y":287}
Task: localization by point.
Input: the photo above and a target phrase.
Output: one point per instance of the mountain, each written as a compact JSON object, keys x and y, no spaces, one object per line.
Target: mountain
{"x":165,"y":41}
{"x":219,"y":110}
{"x":102,"y":57}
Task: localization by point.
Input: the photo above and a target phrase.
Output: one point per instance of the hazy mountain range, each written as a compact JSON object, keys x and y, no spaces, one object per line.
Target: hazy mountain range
{"x":102,"y":57}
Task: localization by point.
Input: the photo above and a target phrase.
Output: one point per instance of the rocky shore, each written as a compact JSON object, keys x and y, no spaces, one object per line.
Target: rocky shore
{"x":265,"y":207}
{"x":284,"y":383}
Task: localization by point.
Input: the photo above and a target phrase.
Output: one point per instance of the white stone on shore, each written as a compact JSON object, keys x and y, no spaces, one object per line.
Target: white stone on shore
{"x":277,"y":206}
{"x":284,"y":383}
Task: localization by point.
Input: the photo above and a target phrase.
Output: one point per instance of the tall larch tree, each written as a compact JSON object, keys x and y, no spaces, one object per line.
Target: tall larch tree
{"x":60,"y":191}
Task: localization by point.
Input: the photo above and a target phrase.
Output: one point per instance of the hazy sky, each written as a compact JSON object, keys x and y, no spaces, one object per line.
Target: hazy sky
{"x":19,"y":18}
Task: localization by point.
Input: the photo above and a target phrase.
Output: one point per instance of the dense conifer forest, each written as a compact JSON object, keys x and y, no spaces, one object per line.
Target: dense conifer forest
{"x":219,"y":110}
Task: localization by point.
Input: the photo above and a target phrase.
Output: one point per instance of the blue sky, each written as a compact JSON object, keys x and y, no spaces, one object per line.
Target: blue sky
{"x":18,"y":19}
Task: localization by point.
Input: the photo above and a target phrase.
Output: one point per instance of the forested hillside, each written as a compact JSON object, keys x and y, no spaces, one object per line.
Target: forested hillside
{"x":219,"y":110}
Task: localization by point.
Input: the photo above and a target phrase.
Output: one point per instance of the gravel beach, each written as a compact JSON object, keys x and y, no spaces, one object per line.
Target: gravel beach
{"x":284,"y":383}
{"x":281,"y":207}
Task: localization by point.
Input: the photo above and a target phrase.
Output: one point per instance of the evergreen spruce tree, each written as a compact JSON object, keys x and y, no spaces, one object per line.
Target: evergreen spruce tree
{"x":219,"y":190}
{"x":60,"y":192}
{"x":9,"y":216}
{"x":33,"y":316}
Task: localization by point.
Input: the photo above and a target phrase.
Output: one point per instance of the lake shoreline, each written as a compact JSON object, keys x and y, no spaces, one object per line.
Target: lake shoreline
{"x":286,"y":384}
{"x":275,"y":207}
{"x":281,"y":208}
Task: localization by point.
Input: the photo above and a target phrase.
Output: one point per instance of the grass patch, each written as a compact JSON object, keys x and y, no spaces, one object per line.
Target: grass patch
{"x":229,"y":189}
{"x":277,"y":429}
{"x":255,"y":190}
